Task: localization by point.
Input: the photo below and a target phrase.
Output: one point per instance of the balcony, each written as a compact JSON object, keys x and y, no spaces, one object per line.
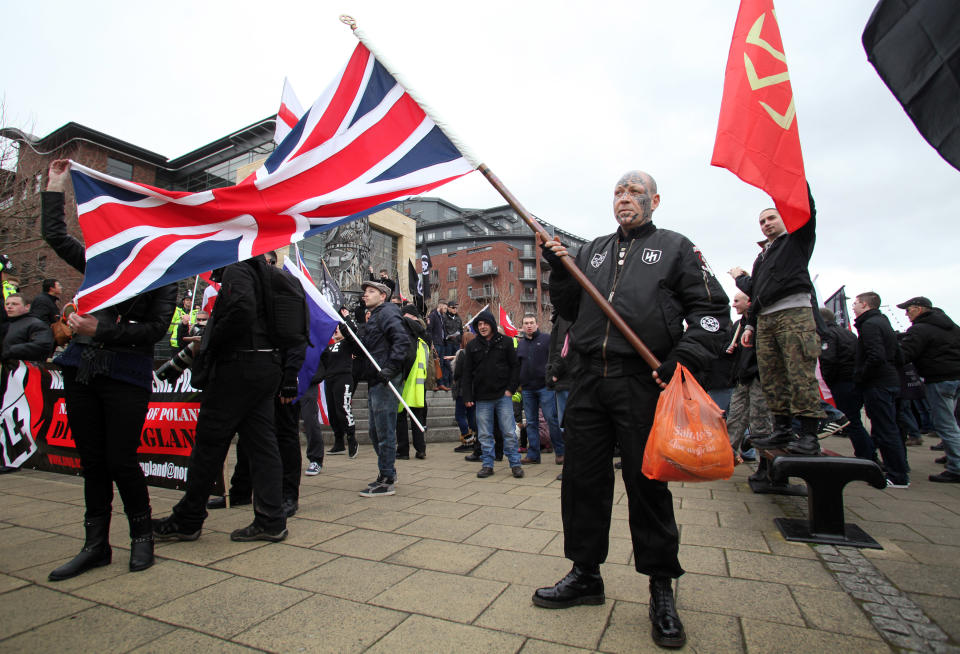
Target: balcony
{"x":483,"y":294}
{"x":486,"y":271}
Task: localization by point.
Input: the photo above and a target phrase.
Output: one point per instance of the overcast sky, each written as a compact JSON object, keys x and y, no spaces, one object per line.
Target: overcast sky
{"x":558,"y":98}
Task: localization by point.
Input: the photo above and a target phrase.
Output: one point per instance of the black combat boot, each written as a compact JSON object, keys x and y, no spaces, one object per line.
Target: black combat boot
{"x":667,"y":628}
{"x":582,"y":585}
{"x":807,"y":445}
{"x":141,"y":541}
{"x":96,"y":550}
{"x":782,"y":434}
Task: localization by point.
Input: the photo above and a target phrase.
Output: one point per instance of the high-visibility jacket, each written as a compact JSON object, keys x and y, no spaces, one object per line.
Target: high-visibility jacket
{"x":414,"y":388}
{"x":175,"y":322}
{"x":8,"y":289}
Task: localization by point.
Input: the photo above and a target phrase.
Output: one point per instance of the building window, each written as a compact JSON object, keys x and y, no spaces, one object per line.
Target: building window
{"x":447,"y":233}
{"x":443,"y":250}
{"x":452,"y":295}
{"x":469,"y":268}
{"x":509,"y":266}
{"x":118,"y":168}
{"x":431,"y":236}
{"x":419,"y":238}
{"x":470,"y":291}
{"x":38,"y":183}
{"x":529,"y":272}
{"x":487,"y":265}
{"x":452,"y":274}
{"x":511,"y":288}
{"x":383,"y":251}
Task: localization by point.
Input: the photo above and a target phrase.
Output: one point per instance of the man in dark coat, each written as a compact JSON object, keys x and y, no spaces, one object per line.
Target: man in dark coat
{"x":657,"y":280}
{"x":932,"y":344}
{"x":46,"y":306}
{"x":27,"y":338}
{"x":876,"y":377}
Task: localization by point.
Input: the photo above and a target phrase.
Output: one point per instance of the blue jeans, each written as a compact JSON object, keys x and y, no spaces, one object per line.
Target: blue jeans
{"x":544,"y":400}
{"x":881,"y":406}
{"x":942,"y":397}
{"x":383,"y":426}
{"x":721,"y":397}
{"x":466,"y":417}
{"x":502,"y":409}
{"x":561,"y":406}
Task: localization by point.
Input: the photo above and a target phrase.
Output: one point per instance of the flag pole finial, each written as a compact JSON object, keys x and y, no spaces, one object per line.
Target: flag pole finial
{"x":348,"y":20}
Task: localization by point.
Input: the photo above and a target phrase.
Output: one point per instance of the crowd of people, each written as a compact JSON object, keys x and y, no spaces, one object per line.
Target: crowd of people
{"x":581,"y":391}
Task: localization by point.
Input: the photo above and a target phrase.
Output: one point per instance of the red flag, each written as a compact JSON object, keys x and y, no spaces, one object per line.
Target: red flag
{"x":508,"y":327}
{"x":757,"y":135}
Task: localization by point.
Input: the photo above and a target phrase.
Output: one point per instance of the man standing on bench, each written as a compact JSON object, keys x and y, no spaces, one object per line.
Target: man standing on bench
{"x":781,"y":323}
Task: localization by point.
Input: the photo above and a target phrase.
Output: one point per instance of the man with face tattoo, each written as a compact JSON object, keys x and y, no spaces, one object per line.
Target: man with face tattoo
{"x":657,"y":280}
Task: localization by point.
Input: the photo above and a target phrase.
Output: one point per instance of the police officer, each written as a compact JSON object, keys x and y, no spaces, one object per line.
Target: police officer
{"x":656,"y":279}
{"x":238,"y":398}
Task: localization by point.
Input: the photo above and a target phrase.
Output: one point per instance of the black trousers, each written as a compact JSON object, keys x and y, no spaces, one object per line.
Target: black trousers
{"x":287,"y":421}
{"x":106,"y":419}
{"x":602,"y":412}
{"x":239,"y":399}
{"x":339,"y":392}
{"x":403,"y":440}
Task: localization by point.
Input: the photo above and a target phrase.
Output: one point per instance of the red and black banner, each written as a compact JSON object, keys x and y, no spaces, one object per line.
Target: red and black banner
{"x":35,"y":431}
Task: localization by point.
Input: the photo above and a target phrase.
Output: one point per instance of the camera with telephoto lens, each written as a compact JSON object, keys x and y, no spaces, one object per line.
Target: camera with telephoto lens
{"x":172,"y":369}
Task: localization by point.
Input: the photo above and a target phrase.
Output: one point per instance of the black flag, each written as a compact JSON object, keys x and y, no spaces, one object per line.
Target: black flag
{"x":425,"y":266}
{"x":915,"y":47}
{"x":838,"y":304}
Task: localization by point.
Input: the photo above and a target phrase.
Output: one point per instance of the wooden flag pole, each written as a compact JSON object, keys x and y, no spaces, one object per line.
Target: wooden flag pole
{"x":527,"y":217}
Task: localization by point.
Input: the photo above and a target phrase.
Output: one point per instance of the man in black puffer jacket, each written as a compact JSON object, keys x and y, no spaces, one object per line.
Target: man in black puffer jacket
{"x":491,"y":374}
{"x":932,"y":344}
{"x":875,"y":374}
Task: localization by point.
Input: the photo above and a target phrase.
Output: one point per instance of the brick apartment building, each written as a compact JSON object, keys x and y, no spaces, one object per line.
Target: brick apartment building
{"x":485,"y":256}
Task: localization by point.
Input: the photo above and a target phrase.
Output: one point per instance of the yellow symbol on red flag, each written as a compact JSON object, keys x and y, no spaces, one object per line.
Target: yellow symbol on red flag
{"x":785,"y":119}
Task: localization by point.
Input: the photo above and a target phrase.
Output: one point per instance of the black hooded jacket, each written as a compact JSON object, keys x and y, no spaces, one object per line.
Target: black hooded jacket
{"x":490,"y":367}
{"x":932,"y":344}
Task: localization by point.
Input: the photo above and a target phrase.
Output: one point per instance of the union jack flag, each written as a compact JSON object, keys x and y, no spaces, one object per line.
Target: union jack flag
{"x":289,"y":113}
{"x":323,"y":322}
{"x":364,"y":143}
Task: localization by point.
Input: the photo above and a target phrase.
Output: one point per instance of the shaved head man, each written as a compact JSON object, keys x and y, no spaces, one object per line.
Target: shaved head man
{"x":657,"y":280}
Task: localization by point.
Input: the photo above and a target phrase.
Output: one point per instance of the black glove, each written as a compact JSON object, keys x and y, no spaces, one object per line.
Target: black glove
{"x":666,"y":370}
{"x":551,"y":258}
{"x":288,"y":386}
{"x":387,"y":373}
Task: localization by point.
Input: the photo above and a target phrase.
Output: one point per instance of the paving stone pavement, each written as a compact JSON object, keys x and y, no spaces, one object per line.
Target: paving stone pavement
{"x":450,"y":562}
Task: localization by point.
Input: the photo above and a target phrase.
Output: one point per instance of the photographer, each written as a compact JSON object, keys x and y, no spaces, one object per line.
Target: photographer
{"x":107,"y":380}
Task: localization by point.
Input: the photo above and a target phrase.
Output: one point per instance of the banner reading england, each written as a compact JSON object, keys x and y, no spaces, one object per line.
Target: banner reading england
{"x":35,"y":433}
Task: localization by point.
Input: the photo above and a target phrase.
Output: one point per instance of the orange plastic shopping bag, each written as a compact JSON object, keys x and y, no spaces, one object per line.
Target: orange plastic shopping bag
{"x":688,"y":441}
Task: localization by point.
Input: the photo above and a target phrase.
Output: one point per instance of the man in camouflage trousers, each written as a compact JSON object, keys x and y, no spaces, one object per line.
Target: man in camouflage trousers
{"x":781,"y":315}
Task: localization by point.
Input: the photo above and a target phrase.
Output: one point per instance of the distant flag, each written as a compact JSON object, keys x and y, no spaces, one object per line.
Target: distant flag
{"x":757,"y":135}
{"x":838,"y":304}
{"x":302,"y":265}
{"x":289,"y":113}
{"x":329,"y":287}
{"x":323,"y":322}
{"x":507,"y":324}
{"x":398,"y":287}
{"x":915,"y":48}
{"x":209,"y":293}
{"x":425,"y":266}
{"x":323,"y":413}
{"x":362,"y":145}
{"x":415,"y":284}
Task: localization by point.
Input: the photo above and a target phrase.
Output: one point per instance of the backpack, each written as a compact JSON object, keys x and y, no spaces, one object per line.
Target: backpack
{"x":288,"y":319}
{"x":434,"y":371}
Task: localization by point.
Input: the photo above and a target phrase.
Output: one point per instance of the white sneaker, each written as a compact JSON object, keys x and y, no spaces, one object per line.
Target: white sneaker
{"x":313,"y":469}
